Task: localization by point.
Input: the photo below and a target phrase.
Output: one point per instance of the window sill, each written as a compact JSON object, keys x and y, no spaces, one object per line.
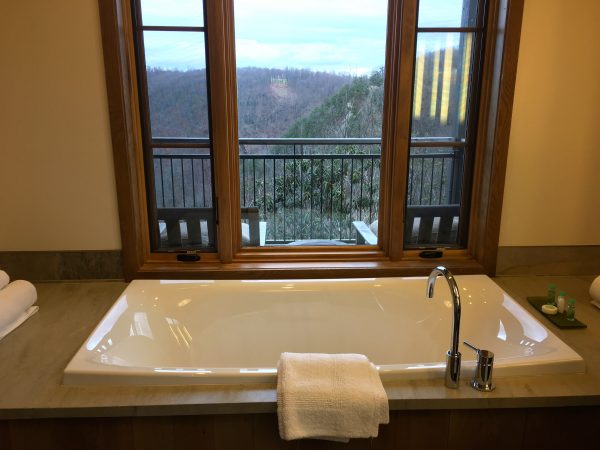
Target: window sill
{"x":410,"y":266}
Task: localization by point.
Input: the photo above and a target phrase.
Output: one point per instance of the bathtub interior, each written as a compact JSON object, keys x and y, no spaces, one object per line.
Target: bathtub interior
{"x":237,"y":327}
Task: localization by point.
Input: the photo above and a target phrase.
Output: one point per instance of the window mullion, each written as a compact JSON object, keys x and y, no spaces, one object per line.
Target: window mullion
{"x":223,"y":94}
{"x":140,"y":56}
{"x":402,"y":22}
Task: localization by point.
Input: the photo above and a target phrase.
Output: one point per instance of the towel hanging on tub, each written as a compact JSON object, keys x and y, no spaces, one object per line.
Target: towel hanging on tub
{"x":329,"y":396}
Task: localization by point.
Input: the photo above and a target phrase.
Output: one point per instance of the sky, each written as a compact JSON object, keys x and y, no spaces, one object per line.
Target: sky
{"x":343,"y":36}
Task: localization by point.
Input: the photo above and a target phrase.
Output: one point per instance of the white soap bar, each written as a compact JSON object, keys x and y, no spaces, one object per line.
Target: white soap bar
{"x":549,"y":309}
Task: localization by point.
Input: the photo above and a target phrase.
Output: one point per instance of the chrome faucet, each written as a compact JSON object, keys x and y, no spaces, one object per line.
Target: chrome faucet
{"x":453,"y":355}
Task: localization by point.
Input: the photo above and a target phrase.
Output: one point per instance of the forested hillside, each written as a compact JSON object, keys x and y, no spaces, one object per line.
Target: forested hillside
{"x":270,"y":101}
{"x":296,"y":103}
{"x":353,"y":111}
{"x":316,"y":193}
{"x":178,"y":103}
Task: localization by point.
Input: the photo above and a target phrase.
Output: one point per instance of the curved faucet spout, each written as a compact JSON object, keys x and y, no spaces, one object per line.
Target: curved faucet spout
{"x":453,"y":356}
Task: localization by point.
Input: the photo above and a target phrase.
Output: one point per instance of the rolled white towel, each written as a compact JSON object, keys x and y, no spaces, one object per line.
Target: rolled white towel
{"x":595,"y":292}
{"x":15,"y":300}
{"x":4,"y":279}
{"x":334,"y":397}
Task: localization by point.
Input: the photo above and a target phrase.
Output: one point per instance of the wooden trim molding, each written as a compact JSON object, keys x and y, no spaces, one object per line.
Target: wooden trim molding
{"x":124,"y":123}
{"x":499,"y":76}
{"x":500,"y":428}
{"x":396,"y":124}
{"x":223,"y":105}
{"x":388,"y":258}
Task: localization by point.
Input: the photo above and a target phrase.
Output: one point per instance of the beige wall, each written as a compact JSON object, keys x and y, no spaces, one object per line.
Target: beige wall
{"x":552,"y":194}
{"x":57,"y":188}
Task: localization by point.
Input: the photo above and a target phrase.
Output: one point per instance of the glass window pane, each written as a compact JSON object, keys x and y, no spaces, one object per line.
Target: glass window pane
{"x":172,"y":13}
{"x":184,"y":198}
{"x":177,"y":89}
{"x":310,"y":103}
{"x":448,"y":13}
{"x":435,"y":177}
{"x":443,"y":71}
{"x":310,"y":198}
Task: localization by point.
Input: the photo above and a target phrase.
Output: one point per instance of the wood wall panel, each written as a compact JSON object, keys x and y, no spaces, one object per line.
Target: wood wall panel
{"x":422,"y":429}
{"x":567,"y":428}
{"x":233,"y":431}
{"x":4,"y":435}
{"x":193,"y":433}
{"x":514,"y":429}
{"x":387,"y":437}
{"x":489,"y":429}
{"x":266,"y":434}
{"x":153,"y":433}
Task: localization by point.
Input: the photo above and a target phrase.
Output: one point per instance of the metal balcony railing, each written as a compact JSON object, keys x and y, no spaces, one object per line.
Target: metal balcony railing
{"x":307,"y":188}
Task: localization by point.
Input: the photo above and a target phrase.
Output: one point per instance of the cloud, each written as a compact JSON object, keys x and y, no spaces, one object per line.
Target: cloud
{"x":174,"y":50}
{"x":172,"y":12}
{"x":323,"y":56}
{"x":439,"y":13}
{"x":307,"y":8}
{"x":332,"y":35}
{"x":335,"y":35}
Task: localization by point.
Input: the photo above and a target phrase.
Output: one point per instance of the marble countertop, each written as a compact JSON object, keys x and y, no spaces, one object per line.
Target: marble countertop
{"x":33,"y":357}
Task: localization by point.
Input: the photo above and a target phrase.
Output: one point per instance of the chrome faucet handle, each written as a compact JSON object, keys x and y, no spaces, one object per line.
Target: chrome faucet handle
{"x":482,"y":380}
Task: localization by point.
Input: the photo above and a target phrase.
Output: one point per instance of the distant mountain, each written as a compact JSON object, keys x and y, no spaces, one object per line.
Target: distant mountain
{"x":270,"y":101}
{"x":178,"y":103}
{"x":295,"y":103}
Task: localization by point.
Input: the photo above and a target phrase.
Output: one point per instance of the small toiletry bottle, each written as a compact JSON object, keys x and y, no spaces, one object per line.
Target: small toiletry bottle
{"x":570,"y":312}
{"x":561,"y":302}
{"x":551,"y":295}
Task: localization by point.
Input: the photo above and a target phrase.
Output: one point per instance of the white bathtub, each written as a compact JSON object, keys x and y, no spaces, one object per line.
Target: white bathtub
{"x":215,"y":332}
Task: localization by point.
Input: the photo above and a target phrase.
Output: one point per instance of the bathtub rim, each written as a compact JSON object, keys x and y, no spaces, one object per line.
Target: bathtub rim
{"x":81,"y":371}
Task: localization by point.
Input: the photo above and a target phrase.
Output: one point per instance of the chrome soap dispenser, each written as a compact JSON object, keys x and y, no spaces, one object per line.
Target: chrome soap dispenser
{"x":482,"y":380}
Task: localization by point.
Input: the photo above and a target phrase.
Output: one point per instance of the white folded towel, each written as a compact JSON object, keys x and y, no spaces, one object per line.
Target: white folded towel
{"x":333,"y":397}
{"x":4,"y":279}
{"x":595,"y":292}
{"x":15,"y":302}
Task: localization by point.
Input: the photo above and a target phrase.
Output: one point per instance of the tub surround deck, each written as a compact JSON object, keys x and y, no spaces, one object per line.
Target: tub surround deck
{"x":33,"y":357}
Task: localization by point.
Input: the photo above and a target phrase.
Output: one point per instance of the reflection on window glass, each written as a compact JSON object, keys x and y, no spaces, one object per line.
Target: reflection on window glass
{"x":434,"y":175}
{"x":447,"y":13}
{"x":172,"y":13}
{"x":442,"y":74}
{"x":310,"y":103}
{"x":434,"y":195}
{"x":177,"y":90}
{"x":443,"y":84}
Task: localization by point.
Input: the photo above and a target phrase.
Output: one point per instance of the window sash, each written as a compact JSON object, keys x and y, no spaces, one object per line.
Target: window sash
{"x":467,"y":145}
{"x":389,"y":257}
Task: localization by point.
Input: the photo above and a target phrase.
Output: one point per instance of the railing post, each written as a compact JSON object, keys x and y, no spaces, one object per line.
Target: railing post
{"x":456,"y":180}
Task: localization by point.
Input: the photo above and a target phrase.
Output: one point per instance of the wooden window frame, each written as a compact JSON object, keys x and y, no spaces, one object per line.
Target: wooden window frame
{"x":388,"y":258}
